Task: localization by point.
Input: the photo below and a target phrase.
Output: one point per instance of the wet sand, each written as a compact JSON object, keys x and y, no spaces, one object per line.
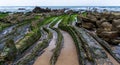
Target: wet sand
{"x":68,"y":55}
{"x":44,"y":59}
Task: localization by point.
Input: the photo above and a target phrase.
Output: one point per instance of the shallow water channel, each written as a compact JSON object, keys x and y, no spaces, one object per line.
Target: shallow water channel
{"x":68,"y":55}
{"x":44,"y":59}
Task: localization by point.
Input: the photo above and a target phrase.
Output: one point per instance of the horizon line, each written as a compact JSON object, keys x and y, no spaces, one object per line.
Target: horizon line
{"x":63,"y":5}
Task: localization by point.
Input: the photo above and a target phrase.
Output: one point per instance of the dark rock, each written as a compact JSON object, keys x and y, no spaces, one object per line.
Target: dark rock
{"x":99,"y":31}
{"x":115,"y":41}
{"x":41,"y":10}
{"x":111,"y":34}
{"x":118,"y":28}
{"x":88,"y":26}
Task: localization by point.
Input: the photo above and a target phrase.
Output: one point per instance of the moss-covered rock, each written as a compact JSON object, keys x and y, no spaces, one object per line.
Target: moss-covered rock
{"x":9,"y":52}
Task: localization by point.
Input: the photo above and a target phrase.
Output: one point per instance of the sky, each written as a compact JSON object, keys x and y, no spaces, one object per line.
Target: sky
{"x":59,"y":2}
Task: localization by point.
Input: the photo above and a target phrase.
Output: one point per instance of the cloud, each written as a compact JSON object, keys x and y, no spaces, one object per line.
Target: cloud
{"x":59,"y":3}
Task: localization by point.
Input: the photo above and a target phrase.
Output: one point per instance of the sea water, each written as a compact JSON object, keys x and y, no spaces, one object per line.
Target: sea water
{"x":30,"y":8}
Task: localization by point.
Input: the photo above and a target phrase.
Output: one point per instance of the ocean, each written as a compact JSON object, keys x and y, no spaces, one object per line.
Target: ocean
{"x":30,"y":8}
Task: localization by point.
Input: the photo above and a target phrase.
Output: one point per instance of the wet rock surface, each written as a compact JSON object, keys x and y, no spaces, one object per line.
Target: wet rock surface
{"x":106,"y":26}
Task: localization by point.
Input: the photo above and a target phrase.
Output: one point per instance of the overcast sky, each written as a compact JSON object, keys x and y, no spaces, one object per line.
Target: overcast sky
{"x":59,"y":2}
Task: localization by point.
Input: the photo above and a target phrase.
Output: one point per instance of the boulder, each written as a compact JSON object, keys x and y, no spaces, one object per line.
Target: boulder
{"x":103,"y":20}
{"x":106,"y":26}
{"x":98,"y":23}
{"x":118,"y":28}
{"x":99,"y":31}
{"x":116,"y":22}
{"x":88,"y":26}
{"x":115,"y":41}
{"x":92,"y":18}
{"x":84,"y":19}
{"x":111,"y":34}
